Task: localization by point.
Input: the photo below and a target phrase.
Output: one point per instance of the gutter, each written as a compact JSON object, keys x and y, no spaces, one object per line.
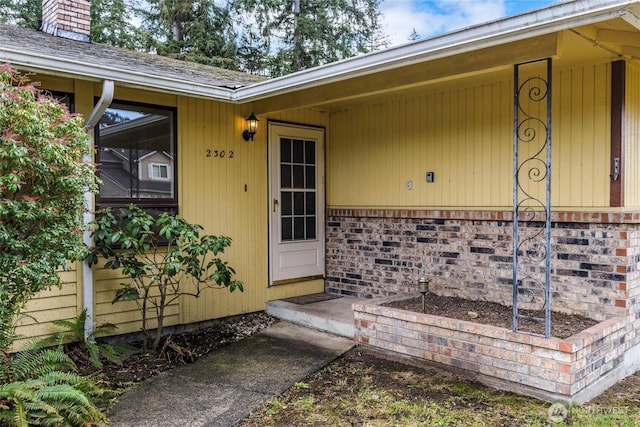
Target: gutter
{"x":73,"y":69}
{"x":88,"y":216}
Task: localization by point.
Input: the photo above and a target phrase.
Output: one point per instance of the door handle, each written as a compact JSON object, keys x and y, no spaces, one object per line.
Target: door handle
{"x":275,"y":205}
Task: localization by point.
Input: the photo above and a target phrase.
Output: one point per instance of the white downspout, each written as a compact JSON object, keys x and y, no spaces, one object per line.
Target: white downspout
{"x":102,"y":105}
{"x":87,"y":272}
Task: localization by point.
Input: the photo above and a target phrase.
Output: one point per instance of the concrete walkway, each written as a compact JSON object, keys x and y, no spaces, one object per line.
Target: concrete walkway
{"x":225,"y":386}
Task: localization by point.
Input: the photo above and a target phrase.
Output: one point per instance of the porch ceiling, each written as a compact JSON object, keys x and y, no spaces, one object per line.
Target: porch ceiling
{"x":612,"y":39}
{"x":389,"y":81}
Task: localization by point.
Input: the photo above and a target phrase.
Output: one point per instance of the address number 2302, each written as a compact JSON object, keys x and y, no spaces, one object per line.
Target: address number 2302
{"x":221,"y":154}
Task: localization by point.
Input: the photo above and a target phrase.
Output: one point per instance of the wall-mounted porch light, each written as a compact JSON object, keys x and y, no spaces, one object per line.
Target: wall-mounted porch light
{"x":252,"y":127}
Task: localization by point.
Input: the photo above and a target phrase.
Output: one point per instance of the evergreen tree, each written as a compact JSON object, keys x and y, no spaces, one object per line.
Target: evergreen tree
{"x":277,"y":37}
{"x":284,"y":36}
{"x":111,"y":24}
{"x":192,"y":30}
{"x":24,"y":13}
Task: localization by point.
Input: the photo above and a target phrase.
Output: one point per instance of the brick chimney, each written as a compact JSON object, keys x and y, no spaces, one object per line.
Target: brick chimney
{"x":70,"y":19}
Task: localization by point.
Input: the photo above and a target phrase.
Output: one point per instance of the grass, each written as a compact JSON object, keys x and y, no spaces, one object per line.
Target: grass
{"x":367,"y":390}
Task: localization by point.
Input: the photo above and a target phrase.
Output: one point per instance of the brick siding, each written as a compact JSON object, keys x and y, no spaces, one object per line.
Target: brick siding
{"x":541,"y":367}
{"x":375,"y":253}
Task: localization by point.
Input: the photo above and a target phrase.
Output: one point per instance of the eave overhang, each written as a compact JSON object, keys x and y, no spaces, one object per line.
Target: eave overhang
{"x":553,"y":19}
{"x":530,"y":25}
{"x":97,"y":72}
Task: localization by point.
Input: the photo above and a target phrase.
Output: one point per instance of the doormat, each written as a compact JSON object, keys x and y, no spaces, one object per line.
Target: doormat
{"x":309,"y":299}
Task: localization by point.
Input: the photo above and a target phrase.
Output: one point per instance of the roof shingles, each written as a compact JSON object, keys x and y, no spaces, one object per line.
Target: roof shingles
{"x":16,"y":39}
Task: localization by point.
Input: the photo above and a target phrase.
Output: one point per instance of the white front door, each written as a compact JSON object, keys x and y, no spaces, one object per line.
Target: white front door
{"x":296,"y":203}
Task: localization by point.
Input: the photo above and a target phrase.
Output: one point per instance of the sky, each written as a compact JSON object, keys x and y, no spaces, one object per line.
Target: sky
{"x":433,"y":17}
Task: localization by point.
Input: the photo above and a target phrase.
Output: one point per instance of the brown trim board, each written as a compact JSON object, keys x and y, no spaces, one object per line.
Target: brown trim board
{"x":618,"y":87}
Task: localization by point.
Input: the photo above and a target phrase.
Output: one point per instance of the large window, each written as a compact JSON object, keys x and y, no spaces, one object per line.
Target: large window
{"x":136,"y":156}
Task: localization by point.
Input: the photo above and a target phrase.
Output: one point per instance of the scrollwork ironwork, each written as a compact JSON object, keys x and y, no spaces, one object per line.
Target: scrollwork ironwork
{"x":532,"y":211}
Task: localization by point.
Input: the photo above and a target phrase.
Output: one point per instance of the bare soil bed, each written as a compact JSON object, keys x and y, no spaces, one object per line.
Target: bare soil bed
{"x":490,"y":313}
{"x":367,"y":387}
{"x":176,"y":350}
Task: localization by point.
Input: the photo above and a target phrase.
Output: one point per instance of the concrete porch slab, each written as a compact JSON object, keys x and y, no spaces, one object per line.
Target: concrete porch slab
{"x":334,"y":316}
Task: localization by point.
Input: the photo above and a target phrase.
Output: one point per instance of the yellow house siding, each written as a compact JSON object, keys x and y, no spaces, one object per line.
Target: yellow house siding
{"x":228,"y":196}
{"x":581,"y":136}
{"x":124,"y":314}
{"x":464,"y":134}
{"x":212,"y":193}
{"x":54,"y":304}
{"x":457,"y":133}
{"x":632,"y":136}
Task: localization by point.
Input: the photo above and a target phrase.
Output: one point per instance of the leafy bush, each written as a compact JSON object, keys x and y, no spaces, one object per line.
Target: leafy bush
{"x":43,"y":180}
{"x":160,"y":255}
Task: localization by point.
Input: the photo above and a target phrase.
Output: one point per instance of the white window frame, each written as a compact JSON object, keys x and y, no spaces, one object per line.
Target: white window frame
{"x":159,"y":178}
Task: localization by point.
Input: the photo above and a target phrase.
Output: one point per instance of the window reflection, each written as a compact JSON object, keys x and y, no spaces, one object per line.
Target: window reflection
{"x":136,"y":155}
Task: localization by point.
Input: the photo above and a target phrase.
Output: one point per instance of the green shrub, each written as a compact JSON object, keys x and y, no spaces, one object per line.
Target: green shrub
{"x":43,"y":180}
{"x":164,"y":257}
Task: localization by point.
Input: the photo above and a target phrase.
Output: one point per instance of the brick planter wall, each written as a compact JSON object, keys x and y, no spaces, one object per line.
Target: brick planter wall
{"x":374,"y":253}
{"x":573,"y":369}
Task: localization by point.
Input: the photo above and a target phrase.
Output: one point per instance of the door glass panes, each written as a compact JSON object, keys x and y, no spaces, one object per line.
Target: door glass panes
{"x":298,"y":189}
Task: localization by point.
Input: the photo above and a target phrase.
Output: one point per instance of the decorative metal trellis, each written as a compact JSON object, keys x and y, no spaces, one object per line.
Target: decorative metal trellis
{"x":532,"y":194}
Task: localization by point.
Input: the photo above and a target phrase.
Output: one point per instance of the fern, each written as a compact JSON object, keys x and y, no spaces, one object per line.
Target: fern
{"x":35,"y":360}
{"x":40,"y":386}
{"x":94,"y":352}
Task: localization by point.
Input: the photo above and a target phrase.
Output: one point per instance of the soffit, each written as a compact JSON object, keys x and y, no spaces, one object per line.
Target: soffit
{"x":619,"y":36}
{"x":402,"y":80}
{"x":604,"y":41}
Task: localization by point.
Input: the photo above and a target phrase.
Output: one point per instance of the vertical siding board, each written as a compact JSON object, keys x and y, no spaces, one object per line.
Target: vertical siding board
{"x":188,"y":147}
{"x":440,"y":167}
{"x":577,"y":123}
{"x":416,"y":149}
{"x":426,"y":152}
{"x":450,"y":171}
{"x":506,"y":134}
{"x":601,"y":130}
{"x":390,"y":157}
{"x":429,"y":153}
{"x":403,"y":144}
{"x":209,"y":124}
{"x":632,"y":136}
{"x":562,"y":128}
{"x":587,"y":109}
{"x":483,"y":151}
{"x":496,"y":143}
